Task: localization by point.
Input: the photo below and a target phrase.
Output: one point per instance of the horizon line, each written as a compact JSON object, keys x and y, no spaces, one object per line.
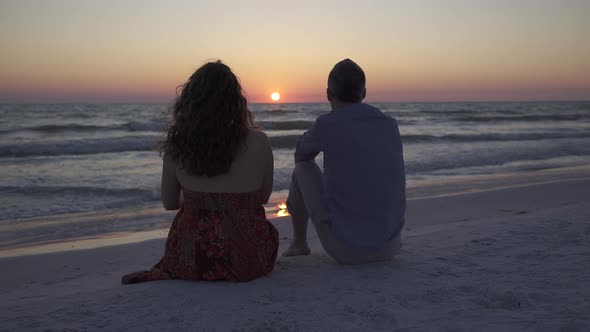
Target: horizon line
{"x":291,"y":103}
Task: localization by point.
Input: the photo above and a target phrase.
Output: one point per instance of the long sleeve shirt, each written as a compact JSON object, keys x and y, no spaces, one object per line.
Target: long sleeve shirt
{"x":364,"y":175}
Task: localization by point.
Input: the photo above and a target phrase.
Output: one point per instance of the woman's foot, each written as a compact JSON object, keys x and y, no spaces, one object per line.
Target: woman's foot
{"x":133,"y":278}
{"x":297,"y":250}
{"x":143,"y":276}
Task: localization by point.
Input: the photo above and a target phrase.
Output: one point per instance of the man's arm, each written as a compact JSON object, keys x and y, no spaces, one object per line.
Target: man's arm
{"x":309,"y":144}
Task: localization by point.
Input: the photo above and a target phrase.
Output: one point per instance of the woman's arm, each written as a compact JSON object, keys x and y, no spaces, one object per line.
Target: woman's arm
{"x":269,"y":172}
{"x":170,"y":186}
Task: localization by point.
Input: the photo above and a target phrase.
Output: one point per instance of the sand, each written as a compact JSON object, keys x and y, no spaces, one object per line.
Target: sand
{"x":508,"y":253}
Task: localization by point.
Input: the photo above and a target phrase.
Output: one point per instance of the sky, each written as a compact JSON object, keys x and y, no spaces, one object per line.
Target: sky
{"x":415,"y":50}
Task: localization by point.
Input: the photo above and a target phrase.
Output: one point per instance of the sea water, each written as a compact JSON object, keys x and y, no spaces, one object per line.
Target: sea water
{"x":64,"y":159}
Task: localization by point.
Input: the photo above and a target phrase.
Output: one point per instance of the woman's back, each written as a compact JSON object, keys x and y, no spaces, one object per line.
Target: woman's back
{"x":221,"y":231}
{"x":251,"y":170}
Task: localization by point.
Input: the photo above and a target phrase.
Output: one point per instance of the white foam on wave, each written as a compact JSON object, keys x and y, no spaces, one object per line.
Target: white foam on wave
{"x":80,"y":146}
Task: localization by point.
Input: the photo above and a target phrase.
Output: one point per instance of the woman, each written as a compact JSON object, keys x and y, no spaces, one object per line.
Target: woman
{"x":218,"y":171}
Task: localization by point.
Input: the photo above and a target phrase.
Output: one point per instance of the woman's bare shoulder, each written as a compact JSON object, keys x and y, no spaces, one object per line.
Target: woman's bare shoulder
{"x":257,"y":137}
{"x":257,"y":133}
{"x":167,"y":158}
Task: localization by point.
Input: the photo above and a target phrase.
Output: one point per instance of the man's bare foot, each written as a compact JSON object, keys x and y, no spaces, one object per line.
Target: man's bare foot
{"x":297,"y":250}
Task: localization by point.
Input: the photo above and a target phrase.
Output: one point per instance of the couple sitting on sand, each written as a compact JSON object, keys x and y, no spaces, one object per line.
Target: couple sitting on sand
{"x":218,"y":170}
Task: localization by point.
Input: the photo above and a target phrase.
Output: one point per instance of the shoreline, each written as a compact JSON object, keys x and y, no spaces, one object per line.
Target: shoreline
{"x":418,"y":190}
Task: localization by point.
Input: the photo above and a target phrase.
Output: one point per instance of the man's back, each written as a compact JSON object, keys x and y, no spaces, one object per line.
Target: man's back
{"x":364,"y":174}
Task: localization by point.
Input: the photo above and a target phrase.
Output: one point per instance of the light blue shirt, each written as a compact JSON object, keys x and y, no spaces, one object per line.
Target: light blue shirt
{"x":364,"y":174}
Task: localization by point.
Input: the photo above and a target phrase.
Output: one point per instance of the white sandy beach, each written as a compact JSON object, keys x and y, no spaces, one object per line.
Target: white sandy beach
{"x":506,"y":253}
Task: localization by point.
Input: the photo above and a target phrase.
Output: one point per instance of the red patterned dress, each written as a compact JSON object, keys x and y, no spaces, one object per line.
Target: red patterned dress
{"x":216,"y":236}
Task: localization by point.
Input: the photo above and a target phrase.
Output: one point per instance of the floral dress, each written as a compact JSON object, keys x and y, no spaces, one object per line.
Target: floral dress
{"x":216,"y":236}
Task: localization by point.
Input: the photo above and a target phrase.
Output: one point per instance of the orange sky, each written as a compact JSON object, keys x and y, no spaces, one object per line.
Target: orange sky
{"x":139,"y":51}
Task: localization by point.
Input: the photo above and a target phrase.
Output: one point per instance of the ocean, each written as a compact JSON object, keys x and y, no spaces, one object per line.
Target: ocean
{"x":80,"y":160}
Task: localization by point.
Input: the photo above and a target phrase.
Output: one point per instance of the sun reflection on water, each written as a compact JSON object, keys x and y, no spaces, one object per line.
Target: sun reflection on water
{"x":282,"y":210}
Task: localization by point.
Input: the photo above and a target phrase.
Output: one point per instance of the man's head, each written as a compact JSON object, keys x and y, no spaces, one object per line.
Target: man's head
{"x":346,"y":83}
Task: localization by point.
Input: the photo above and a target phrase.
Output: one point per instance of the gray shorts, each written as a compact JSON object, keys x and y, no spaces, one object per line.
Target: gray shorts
{"x":307,"y":201}
{"x":344,"y":253}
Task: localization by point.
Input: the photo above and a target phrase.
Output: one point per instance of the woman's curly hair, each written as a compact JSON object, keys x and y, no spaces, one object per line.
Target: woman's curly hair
{"x":210,"y":121}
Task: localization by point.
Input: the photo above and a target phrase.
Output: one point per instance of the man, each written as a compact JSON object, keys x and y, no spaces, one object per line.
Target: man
{"x":357,"y":205}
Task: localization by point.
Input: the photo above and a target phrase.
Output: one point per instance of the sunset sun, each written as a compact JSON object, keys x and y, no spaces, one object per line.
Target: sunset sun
{"x":275,"y":96}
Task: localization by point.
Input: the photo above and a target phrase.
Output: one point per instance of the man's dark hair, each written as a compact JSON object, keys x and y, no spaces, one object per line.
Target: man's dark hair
{"x":347,"y":82}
